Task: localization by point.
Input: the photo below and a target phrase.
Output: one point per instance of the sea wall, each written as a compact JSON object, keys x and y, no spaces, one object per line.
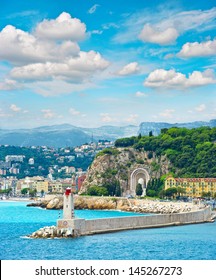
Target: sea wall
{"x":138,"y":222}
{"x":78,"y":227}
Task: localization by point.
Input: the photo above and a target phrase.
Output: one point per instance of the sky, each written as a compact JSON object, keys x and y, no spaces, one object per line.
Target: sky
{"x":93,"y":63}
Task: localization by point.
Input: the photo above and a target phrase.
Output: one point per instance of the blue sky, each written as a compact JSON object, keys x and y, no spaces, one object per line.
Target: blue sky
{"x":93,"y":63}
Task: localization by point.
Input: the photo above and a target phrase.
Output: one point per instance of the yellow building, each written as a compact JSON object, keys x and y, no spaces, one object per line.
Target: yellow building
{"x":194,"y":187}
{"x":41,"y":185}
{"x":55,"y":187}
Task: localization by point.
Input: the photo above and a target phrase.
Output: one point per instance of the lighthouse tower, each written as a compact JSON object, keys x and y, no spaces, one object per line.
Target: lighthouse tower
{"x":68,"y":205}
{"x":69,"y":225}
{"x":67,"y":222}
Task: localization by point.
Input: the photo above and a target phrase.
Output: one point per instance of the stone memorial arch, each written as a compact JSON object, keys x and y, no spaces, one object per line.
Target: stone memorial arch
{"x":139,"y":176}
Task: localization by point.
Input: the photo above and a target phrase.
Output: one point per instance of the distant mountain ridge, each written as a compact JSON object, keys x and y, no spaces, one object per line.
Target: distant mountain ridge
{"x":155,"y":127}
{"x":65,"y":135}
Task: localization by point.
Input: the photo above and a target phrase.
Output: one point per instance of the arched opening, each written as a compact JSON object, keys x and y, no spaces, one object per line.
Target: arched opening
{"x":139,"y":176}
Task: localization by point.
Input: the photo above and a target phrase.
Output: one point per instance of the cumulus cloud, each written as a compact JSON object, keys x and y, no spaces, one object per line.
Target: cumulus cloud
{"x":105,"y":117}
{"x":48,"y":113}
{"x":9,"y":84}
{"x":64,"y":27}
{"x":140,"y":94}
{"x":49,"y":57}
{"x":161,"y":78}
{"x":15,"y":108}
{"x":129,"y":69}
{"x":20,"y":47}
{"x":93,"y":9}
{"x":159,"y":36}
{"x":196,"y":49}
{"x":200,"y":108}
{"x":74,"y":112}
{"x":77,"y":69}
{"x":131,"y":118}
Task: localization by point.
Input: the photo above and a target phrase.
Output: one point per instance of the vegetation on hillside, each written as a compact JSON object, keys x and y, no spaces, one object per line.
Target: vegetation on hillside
{"x":192,"y":152}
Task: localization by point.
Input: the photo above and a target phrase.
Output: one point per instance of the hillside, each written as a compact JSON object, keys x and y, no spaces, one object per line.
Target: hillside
{"x":183,"y":152}
{"x":192,"y":152}
{"x":112,"y":168}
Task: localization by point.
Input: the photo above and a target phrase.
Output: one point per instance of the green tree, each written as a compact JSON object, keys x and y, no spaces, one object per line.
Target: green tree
{"x":180,"y":191}
{"x":171,"y":192}
{"x":139,"y":189}
{"x":97,"y":191}
{"x":32,"y":193}
{"x":24,"y":191}
{"x":150,"y":133}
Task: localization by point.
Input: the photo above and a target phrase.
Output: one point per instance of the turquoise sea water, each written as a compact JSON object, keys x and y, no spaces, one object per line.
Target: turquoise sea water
{"x":196,"y":242}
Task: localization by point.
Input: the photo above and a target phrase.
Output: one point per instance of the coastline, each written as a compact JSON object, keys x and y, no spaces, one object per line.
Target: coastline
{"x":18,"y":199}
{"x":119,"y":203}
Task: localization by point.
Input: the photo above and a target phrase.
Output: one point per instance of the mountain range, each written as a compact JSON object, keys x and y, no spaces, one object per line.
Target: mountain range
{"x":65,"y":135}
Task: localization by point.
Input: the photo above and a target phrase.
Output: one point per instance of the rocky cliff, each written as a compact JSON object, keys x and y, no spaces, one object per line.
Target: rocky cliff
{"x":117,"y":165}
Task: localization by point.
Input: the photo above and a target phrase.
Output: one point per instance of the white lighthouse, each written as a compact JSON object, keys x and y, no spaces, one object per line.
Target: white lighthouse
{"x":68,"y":205}
{"x":69,"y":225}
{"x":67,"y":221}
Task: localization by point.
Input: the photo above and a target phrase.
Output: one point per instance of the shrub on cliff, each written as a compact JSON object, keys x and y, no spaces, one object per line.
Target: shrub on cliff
{"x":97,"y":191}
{"x":108,"y":151}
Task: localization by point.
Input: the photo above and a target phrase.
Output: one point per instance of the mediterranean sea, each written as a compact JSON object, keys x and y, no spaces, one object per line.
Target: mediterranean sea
{"x":190,"y":242}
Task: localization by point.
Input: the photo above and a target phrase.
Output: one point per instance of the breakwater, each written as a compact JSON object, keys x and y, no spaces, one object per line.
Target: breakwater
{"x":79,"y":227}
{"x":119,"y":203}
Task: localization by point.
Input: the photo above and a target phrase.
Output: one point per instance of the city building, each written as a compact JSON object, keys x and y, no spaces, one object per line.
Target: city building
{"x":18,"y":158}
{"x":31,"y":161}
{"x":55,"y":187}
{"x":194,"y":187}
{"x":14,"y":170}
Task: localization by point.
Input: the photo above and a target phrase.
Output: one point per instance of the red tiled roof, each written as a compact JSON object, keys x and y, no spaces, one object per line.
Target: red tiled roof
{"x":195,"y":179}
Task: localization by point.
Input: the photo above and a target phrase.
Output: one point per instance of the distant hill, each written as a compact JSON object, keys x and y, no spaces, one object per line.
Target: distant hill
{"x":155,"y":127}
{"x":65,"y":135}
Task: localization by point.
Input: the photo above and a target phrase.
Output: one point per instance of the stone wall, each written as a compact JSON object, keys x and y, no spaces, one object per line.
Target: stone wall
{"x":78,"y":227}
{"x":124,"y":223}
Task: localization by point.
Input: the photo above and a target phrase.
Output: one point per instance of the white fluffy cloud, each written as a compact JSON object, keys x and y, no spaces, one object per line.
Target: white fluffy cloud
{"x":200,"y":108}
{"x":129,"y":69}
{"x":161,"y":78}
{"x":196,"y":49}
{"x":50,"y":54}
{"x":131,"y":118}
{"x":48,"y":113}
{"x":159,"y":36}
{"x":19,"y":47}
{"x":64,"y":27}
{"x":74,"y":112}
{"x":76,"y":69}
{"x":140,"y":94}
{"x":15,"y":108}
{"x":105,"y":117}
{"x":9,"y":84}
